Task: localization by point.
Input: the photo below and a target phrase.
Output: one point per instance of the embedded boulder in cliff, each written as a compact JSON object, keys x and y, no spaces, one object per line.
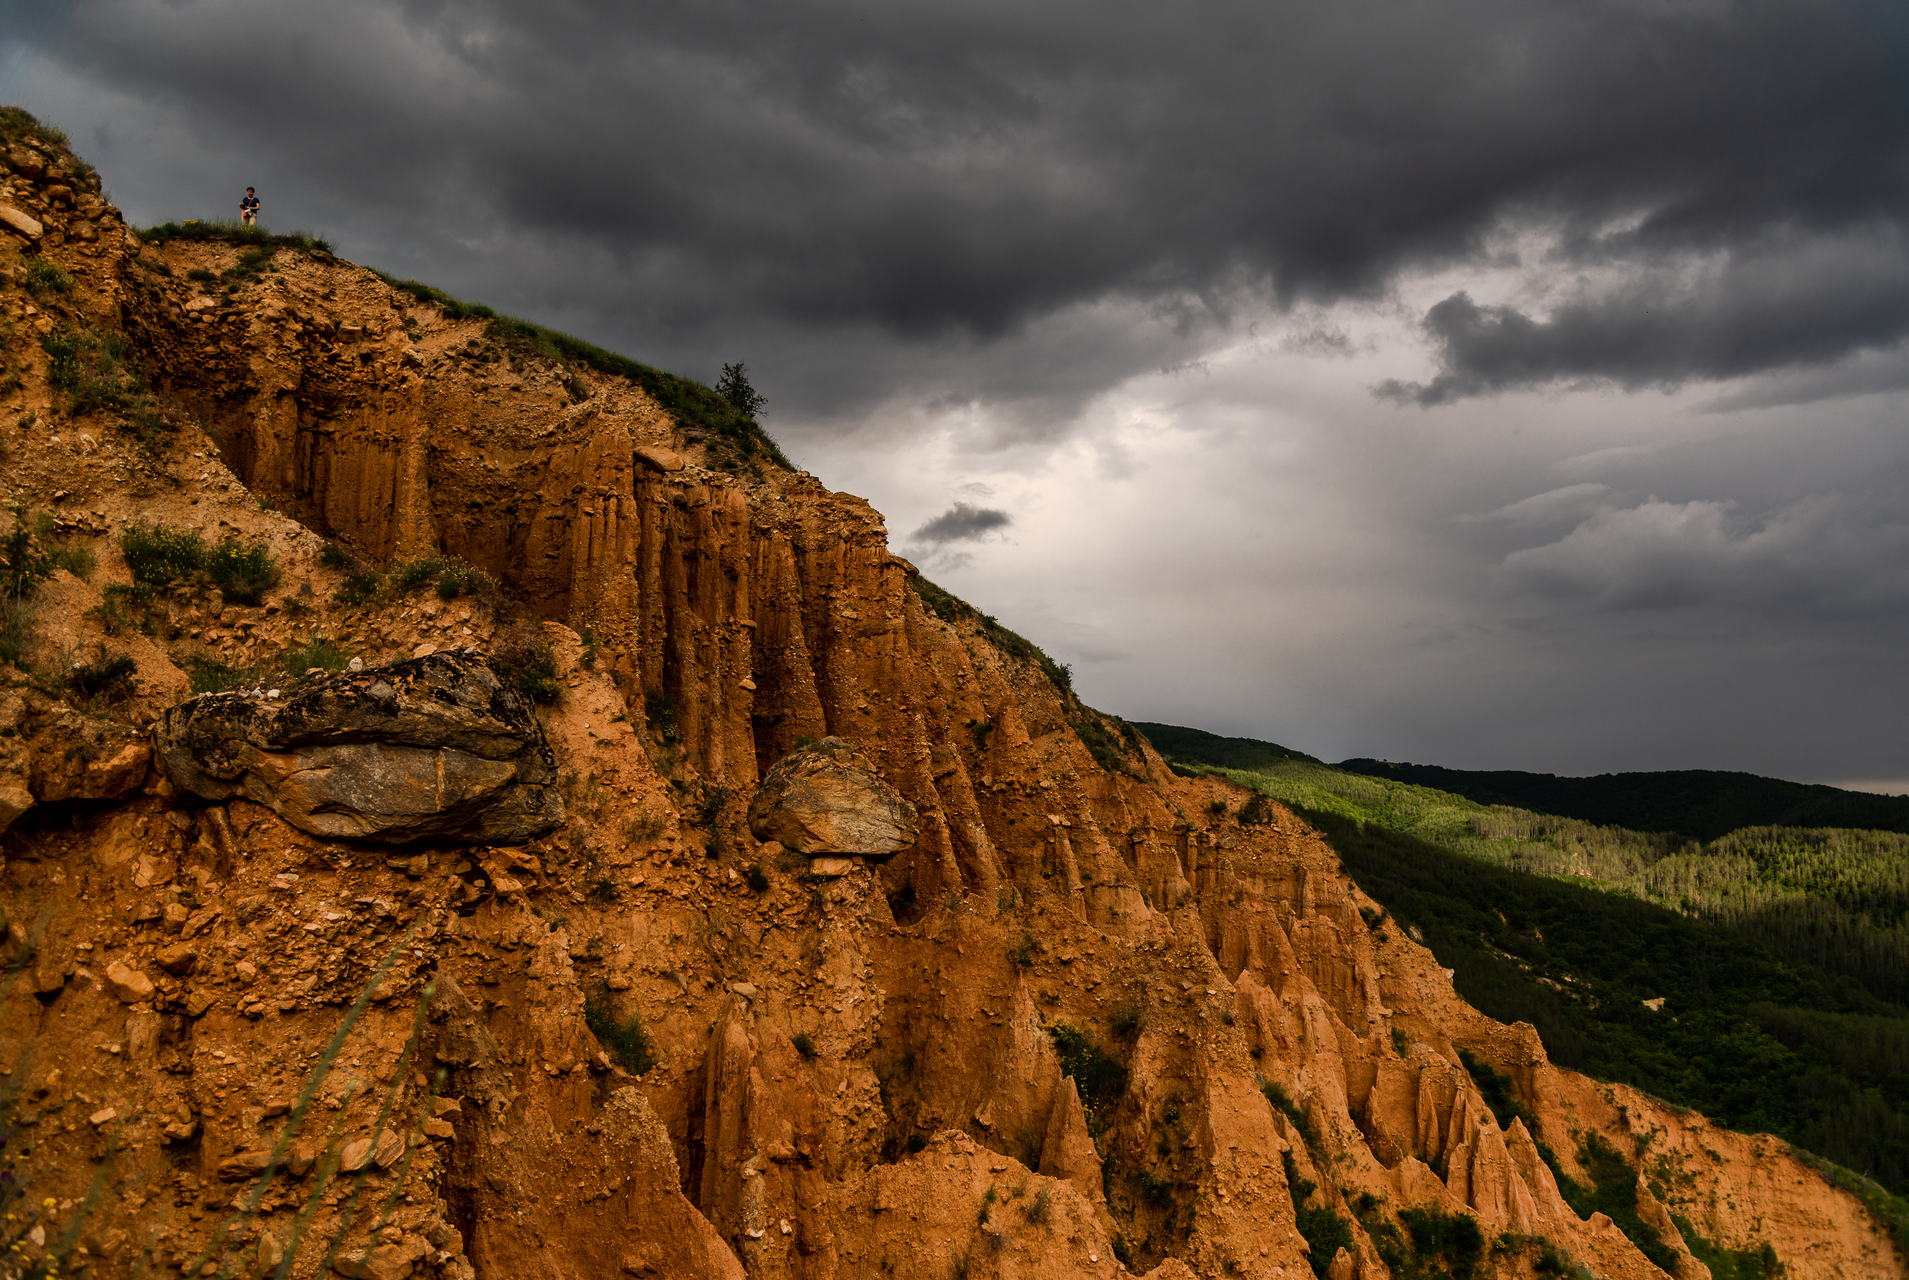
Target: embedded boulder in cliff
{"x":827,"y":798}
{"x":435,"y":748}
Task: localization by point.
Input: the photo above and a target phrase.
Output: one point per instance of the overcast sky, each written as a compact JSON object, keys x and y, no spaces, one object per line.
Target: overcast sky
{"x":1486,"y":383}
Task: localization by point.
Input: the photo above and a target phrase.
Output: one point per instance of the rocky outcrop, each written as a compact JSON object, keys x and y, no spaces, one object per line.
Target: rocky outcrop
{"x":437,"y":748}
{"x":23,"y":225}
{"x":1068,"y":1149}
{"x":828,"y":799}
{"x":51,"y":753}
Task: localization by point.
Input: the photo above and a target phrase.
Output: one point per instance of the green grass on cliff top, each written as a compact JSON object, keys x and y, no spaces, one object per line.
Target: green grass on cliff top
{"x":17,"y":124}
{"x":232,"y":231}
{"x":699,"y":408}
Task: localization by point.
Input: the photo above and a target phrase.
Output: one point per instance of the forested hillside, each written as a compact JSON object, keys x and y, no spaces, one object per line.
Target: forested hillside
{"x":1699,"y":803}
{"x":1177,"y":743}
{"x":1761,"y":977}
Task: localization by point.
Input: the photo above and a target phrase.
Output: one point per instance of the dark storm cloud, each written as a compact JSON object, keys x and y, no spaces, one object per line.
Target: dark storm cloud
{"x":1825,"y":558}
{"x":962,"y":522}
{"x":926,"y":173}
{"x":1801,"y":302}
{"x":1136,"y":266}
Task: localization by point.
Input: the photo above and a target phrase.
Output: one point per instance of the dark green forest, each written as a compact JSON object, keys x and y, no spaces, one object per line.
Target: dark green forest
{"x":1176,"y":743}
{"x":1702,"y":804}
{"x":1748,"y":1039}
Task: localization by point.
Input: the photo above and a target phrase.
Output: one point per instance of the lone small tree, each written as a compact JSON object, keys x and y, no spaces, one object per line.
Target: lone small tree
{"x":734,"y":387}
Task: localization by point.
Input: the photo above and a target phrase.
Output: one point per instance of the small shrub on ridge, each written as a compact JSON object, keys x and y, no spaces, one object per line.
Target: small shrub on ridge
{"x":110,"y":676}
{"x":628,"y":1045}
{"x":316,"y":654}
{"x":46,"y":276}
{"x":530,"y":663}
{"x":159,"y":556}
{"x":242,"y":571}
{"x":359,"y":588}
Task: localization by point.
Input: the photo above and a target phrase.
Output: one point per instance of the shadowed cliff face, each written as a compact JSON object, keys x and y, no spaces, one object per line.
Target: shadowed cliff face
{"x":1031,"y":1044}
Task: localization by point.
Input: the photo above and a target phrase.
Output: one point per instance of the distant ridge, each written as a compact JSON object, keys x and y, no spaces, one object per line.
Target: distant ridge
{"x":1702,"y":804}
{"x":1178,"y":743}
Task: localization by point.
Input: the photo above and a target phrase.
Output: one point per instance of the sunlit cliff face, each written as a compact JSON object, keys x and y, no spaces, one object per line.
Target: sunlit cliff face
{"x":1088,"y":1020}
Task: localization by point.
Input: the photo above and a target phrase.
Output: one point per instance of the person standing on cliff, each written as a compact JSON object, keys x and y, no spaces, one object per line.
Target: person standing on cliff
{"x":249,"y":209}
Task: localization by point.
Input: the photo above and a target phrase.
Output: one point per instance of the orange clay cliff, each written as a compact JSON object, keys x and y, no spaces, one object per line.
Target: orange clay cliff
{"x":458,"y":935}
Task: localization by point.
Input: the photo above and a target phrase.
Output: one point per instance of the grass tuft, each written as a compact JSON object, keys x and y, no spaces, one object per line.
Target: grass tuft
{"x":91,"y":368}
{"x":528,"y":661}
{"x":110,"y":677}
{"x":359,"y":588}
{"x":1284,"y":1104}
{"x":28,"y":557}
{"x":159,"y":556}
{"x":317,"y":653}
{"x":1097,"y":1074}
{"x":123,"y":607}
{"x":629,"y":1046}
{"x":209,"y":673}
{"x":659,"y":709}
{"x":242,"y":571}
{"x":1022,"y":956}
{"x":454,"y":578}
{"x":1453,"y":1239}
{"x":46,"y":276}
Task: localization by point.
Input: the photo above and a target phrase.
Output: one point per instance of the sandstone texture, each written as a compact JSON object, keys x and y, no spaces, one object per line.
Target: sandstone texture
{"x":828,"y":799}
{"x":540,"y":978}
{"x":436,"y":747}
{"x":52,"y":752}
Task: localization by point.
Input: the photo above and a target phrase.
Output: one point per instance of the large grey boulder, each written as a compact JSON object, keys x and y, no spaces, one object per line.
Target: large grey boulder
{"x":434,"y":748}
{"x":827,"y":798}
